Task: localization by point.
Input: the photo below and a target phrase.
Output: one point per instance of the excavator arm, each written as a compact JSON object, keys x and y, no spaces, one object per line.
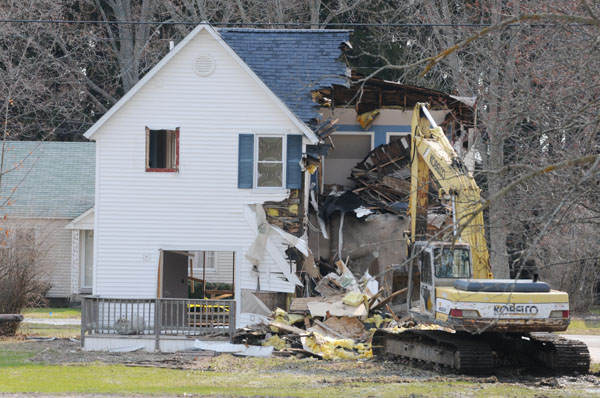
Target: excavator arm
{"x":432,"y":154}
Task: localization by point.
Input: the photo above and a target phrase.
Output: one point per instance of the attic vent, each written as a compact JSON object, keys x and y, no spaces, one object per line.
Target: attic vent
{"x":204,"y":65}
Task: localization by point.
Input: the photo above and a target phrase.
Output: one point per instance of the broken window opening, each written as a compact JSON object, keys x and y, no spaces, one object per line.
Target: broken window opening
{"x":404,"y":138}
{"x":162,"y":150}
{"x":269,"y":164}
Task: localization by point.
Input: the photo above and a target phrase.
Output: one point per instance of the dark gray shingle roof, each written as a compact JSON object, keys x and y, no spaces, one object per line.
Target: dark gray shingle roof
{"x":50,"y":179}
{"x":292,"y":62}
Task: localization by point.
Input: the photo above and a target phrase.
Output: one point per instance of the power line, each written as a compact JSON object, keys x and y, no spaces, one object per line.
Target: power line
{"x":298,"y":24}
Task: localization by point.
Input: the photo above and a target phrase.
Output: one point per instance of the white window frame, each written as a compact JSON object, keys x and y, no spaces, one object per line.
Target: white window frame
{"x":199,"y":258}
{"x":283,"y":160}
{"x":391,"y":134}
{"x":82,"y":240}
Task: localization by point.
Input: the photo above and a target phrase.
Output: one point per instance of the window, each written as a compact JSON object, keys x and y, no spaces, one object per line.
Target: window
{"x":426,"y":276}
{"x":86,"y":247}
{"x":208,"y":258}
{"x":404,"y":138}
{"x":269,"y":161}
{"x":269,"y":167}
{"x":162,"y":150}
{"x":452,"y":263}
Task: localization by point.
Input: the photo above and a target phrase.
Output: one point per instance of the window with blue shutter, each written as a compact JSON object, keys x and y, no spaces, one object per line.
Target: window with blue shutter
{"x":293,"y":176}
{"x":246,"y":161}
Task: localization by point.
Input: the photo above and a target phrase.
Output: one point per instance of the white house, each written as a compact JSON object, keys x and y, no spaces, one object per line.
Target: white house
{"x":184,"y":162}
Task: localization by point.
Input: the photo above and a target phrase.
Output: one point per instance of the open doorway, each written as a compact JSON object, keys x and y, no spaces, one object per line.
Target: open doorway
{"x":194,"y":274}
{"x":187,"y":275}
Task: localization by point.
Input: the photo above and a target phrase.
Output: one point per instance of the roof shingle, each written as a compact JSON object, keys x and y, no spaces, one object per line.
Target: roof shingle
{"x":292,"y":62}
{"x":50,"y":179}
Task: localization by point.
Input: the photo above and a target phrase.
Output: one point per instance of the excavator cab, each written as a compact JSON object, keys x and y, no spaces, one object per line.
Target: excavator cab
{"x":437,"y":264}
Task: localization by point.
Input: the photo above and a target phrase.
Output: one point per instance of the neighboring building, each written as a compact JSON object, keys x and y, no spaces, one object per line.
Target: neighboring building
{"x":47,"y":190}
{"x":186,"y":159}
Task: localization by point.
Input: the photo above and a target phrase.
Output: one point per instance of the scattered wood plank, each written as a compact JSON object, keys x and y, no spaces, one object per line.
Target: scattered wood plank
{"x":328,"y":329}
{"x":389,"y":299}
{"x":392,"y":313}
{"x":287,"y":328}
{"x":375,"y":297}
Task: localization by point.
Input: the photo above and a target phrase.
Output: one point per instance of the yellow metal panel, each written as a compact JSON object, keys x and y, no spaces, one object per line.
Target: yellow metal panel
{"x":452,"y":294}
{"x":441,"y":317}
{"x":434,"y":153}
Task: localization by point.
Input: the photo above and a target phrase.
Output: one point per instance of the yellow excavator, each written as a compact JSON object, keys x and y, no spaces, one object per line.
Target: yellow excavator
{"x":484,"y":321}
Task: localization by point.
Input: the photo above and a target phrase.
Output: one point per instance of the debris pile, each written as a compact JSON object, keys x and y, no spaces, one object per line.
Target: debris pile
{"x":383,"y":177}
{"x":339,"y":324}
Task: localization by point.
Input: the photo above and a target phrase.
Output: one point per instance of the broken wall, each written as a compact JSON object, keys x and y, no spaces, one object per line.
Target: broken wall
{"x":374,"y":243}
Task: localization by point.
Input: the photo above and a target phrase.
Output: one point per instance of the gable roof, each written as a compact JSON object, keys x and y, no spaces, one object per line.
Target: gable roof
{"x":50,"y":179}
{"x":292,"y":62}
{"x":171,"y":54}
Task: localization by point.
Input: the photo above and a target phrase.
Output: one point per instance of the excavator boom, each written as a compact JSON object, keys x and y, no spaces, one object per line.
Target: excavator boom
{"x":432,"y":153}
{"x":489,"y":317}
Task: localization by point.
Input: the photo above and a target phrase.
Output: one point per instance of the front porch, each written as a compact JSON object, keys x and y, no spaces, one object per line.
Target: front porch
{"x":165,"y":325}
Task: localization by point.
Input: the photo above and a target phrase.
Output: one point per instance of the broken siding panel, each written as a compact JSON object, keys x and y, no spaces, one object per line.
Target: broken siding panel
{"x":198,"y":207}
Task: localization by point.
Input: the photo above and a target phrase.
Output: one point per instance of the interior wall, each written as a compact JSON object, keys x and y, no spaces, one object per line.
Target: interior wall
{"x":349,"y":150}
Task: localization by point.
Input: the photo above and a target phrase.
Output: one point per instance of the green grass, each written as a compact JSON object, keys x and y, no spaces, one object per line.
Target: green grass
{"x":239,"y":377}
{"x":119,"y":379}
{"x":10,"y":357}
{"x":43,"y":330}
{"x":55,"y":313}
{"x":581,"y":326}
{"x":595,"y":310}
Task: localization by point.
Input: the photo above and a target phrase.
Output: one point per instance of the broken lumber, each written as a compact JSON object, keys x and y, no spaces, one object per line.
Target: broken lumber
{"x":389,"y":299}
{"x":375,"y":297}
{"x":392,"y":313}
{"x":330,"y":330}
{"x":287,"y":328}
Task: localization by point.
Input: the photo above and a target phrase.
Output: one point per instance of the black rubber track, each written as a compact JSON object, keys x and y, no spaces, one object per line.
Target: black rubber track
{"x":563,"y":355}
{"x":472,"y":355}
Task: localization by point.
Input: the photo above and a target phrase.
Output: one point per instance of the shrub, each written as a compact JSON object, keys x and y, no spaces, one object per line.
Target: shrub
{"x":21,"y":281}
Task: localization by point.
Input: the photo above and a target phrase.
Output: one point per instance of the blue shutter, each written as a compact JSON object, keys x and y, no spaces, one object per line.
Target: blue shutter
{"x":245,"y":160}
{"x":293,"y":176}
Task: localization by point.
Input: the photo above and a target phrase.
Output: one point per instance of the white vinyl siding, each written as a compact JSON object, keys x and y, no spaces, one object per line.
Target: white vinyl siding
{"x":198,"y":208}
{"x":219,"y":266}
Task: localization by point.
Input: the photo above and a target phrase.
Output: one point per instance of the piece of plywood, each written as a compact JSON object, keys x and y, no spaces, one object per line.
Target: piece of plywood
{"x":337,"y":308}
{"x":300,"y":304}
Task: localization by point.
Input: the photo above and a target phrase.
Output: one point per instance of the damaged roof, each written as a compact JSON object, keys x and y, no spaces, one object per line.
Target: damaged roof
{"x":292,"y":62}
{"x":49,"y":179}
{"x":376,"y":94}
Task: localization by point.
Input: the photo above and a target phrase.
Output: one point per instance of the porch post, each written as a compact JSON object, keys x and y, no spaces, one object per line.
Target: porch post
{"x":83,"y":316}
{"x":232,"y":312}
{"x":157,"y":312}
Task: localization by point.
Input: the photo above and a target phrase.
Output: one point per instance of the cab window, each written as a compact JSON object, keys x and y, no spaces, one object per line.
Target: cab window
{"x":451,"y":263}
{"x":426,"y":276}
